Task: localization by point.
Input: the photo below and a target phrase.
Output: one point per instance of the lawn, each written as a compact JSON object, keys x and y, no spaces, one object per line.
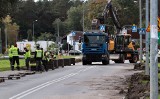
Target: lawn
{"x":5,"y":64}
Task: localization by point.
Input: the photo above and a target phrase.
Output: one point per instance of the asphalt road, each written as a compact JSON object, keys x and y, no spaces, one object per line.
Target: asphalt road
{"x":82,"y":82}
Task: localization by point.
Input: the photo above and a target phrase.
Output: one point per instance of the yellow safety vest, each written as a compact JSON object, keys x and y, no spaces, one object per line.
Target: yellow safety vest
{"x":39,"y":53}
{"x":27,"y":54}
{"x":14,"y":51}
{"x":10,"y":53}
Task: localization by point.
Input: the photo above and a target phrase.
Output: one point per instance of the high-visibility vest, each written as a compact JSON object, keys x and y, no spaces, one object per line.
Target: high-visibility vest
{"x":10,"y":53}
{"x":39,"y":53}
{"x":27,"y":54}
{"x":14,"y":51}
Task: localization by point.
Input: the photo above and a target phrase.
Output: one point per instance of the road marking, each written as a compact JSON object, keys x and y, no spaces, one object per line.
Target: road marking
{"x":29,"y":91}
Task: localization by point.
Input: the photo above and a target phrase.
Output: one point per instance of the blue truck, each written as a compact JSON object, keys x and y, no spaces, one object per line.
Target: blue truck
{"x":94,"y":47}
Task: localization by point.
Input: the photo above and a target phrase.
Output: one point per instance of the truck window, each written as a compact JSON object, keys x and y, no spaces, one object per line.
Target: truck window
{"x":94,"y":38}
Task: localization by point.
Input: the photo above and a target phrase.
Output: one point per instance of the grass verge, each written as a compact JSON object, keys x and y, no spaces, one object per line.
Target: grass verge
{"x":5,"y":64}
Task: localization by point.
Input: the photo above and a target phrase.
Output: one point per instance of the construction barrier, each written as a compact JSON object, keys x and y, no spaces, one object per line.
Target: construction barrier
{"x":72,"y":61}
{"x":56,"y":63}
{"x":50,"y":64}
{"x":61,"y":62}
{"x":67,"y":62}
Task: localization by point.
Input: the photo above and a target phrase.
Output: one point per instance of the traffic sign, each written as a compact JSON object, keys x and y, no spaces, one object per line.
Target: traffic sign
{"x":142,"y":31}
{"x":102,"y":27}
{"x":134,"y":28}
{"x":158,"y":19}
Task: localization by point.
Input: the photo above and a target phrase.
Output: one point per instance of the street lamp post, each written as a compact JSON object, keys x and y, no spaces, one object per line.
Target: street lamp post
{"x":147,"y":39}
{"x":33,"y":28}
{"x":83,"y":18}
{"x":58,"y":20}
{"x":140,"y":25}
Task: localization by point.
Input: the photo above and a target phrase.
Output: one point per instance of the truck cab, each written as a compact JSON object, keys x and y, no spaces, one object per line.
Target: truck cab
{"x":95,"y":47}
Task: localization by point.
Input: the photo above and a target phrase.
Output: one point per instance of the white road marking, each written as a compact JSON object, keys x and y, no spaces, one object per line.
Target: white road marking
{"x":29,"y":91}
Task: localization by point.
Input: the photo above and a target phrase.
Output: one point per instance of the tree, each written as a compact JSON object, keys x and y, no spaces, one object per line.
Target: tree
{"x":62,"y":27}
{"x":29,"y":37}
{"x":11,"y":29}
{"x":74,"y":18}
{"x":65,"y":46}
{"x":46,"y":36}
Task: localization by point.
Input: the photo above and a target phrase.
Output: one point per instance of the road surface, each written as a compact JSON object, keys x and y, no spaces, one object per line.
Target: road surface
{"x":71,"y":82}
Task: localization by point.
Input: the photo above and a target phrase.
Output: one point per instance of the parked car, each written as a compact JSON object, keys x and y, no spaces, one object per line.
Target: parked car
{"x":75,"y":52}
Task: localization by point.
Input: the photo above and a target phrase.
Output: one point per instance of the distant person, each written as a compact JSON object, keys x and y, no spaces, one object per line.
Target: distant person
{"x":38,"y":56}
{"x":15,"y":54}
{"x":44,"y":60}
{"x":27,"y":56}
{"x":11,"y":56}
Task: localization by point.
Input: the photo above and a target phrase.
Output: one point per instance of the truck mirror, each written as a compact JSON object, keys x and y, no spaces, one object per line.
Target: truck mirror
{"x":80,"y":39}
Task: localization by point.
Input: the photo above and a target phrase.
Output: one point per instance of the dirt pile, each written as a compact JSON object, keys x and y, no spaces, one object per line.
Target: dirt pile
{"x":138,"y":86}
{"x":139,"y":66}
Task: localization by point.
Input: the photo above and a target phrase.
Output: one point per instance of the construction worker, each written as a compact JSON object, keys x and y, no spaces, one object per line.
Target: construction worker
{"x":10,"y":56}
{"x":27,"y":56}
{"x":45,"y":60}
{"x":38,"y":56}
{"x":15,"y":54}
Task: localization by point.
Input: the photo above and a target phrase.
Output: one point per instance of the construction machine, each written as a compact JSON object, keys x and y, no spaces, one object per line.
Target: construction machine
{"x":121,"y":47}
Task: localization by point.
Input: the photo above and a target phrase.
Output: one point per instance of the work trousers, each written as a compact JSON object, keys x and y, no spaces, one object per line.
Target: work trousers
{"x":27,"y":61}
{"x":11,"y":60}
{"x":44,"y":62}
{"x":15,"y":59}
{"x":39,"y":66}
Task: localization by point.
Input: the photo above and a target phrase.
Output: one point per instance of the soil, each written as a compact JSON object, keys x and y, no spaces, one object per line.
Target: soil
{"x":138,"y":86}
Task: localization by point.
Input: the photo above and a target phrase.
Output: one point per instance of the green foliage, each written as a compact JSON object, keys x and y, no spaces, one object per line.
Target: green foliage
{"x":11,"y":29}
{"x":45,"y":36}
{"x":74,"y":17}
{"x":65,"y":46}
{"x":29,"y":33}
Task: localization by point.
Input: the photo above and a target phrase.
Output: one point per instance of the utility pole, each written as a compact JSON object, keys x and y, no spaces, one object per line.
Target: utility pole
{"x":140,"y":25}
{"x":33,"y":29}
{"x":153,"y":49}
{"x":147,"y":39}
{"x":83,"y":18}
{"x":58,"y":20}
{"x":6,"y":37}
{"x":0,"y":42}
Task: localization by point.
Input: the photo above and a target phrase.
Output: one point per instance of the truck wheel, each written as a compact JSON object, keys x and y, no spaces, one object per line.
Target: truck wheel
{"x":107,"y":62}
{"x":122,"y":58}
{"x":89,"y":63}
{"x":134,"y":59}
{"x":116,"y":61}
{"x":104,"y":62}
{"x":84,"y":62}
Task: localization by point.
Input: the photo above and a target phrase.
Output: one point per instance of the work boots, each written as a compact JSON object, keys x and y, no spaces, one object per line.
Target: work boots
{"x":12,"y":68}
{"x":18,"y":68}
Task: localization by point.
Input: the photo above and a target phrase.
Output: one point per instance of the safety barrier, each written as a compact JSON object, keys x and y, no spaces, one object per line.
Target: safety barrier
{"x":61,"y":62}
{"x":67,"y":62}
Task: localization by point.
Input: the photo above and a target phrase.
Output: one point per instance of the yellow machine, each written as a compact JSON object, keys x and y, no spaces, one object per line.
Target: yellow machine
{"x":122,"y":48}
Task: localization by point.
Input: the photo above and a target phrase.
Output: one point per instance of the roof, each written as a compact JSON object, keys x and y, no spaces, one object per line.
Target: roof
{"x":76,"y":37}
